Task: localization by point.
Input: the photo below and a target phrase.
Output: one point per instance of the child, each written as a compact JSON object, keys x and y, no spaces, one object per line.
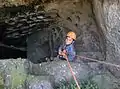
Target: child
{"x":67,"y":50}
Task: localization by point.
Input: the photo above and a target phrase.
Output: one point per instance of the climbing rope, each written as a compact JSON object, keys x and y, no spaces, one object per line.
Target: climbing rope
{"x":12,"y":47}
{"x":78,"y":86}
{"x":102,"y":62}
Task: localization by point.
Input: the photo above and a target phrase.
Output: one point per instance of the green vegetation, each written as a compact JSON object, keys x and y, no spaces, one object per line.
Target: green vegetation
{"x":18,"y":78}
{"x":85,"y":84}
{"x":1,"y":82}
{"x":1,"y":87}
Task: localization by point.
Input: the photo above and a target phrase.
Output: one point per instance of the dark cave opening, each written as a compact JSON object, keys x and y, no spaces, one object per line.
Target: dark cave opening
{"x":15,"y":31}
{"x":6,"y":53}
{"x":11,"y":47}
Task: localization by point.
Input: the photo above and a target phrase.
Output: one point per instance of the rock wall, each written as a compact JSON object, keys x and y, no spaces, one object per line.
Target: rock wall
{"x":97,"y":26}
{"x":23,"y":74}
{"x":14,"y":2}
{"x":78,"y":16}
{"x":68,"y":15}
{"x":107,"y":14}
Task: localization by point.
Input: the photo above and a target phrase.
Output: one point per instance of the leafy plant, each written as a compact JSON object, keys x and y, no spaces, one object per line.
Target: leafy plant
{"x":85,"y":84}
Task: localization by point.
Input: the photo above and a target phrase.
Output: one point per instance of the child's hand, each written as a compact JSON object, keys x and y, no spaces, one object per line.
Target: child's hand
{"x":64,"y":54}
{"x":64,"y":51}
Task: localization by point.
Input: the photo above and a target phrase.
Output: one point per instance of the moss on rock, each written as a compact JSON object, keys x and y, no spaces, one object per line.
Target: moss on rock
{"x":13,"y":72}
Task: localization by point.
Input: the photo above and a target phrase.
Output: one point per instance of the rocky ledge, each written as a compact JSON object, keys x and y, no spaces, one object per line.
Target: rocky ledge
{"x":23,"y":74}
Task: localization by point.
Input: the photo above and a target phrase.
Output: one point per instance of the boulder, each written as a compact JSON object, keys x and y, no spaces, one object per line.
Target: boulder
{"x":13,"y":75}
{"x":107,"y":81}
{"x":39,"y":82}
{"x":60,"y":70}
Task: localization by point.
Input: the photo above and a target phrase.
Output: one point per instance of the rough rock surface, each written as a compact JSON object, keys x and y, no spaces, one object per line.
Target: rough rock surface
{"x":107,"y":81}
{"x":39,"y":82}
{"x":78,"y":16}
{"x":14,"y":2}
{"x":60,"y":71}
{"x":98,"y":34}
{"x":107,"y":14}
{"x":68,"y":15}
{"x":13,"y":73}
{"x":23,"y":74}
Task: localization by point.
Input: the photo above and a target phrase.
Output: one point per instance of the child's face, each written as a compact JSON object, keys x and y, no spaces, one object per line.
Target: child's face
{"x":68,"y":40}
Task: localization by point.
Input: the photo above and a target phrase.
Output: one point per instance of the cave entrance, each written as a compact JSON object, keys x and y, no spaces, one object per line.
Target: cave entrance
{"x":32,"y":33}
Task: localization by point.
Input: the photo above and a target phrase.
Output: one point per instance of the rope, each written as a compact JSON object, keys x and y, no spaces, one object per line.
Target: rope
{"x":102,"y":62}
{"x":78,"y":87}
{"x":12,"y":47}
